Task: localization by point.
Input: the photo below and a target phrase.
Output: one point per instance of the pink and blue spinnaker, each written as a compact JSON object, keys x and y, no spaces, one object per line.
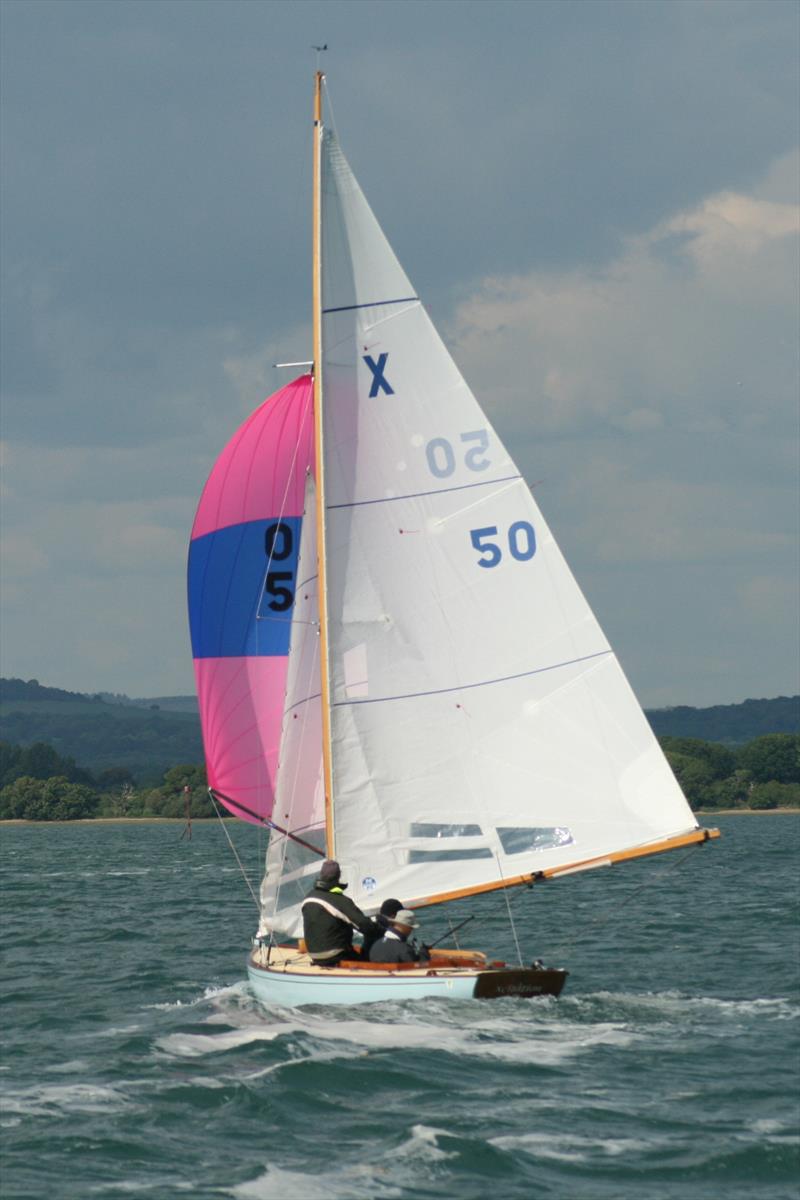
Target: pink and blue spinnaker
{"x":242,"y":578}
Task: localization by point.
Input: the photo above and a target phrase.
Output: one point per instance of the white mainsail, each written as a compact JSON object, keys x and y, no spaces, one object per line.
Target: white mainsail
{"x":481,"y":726}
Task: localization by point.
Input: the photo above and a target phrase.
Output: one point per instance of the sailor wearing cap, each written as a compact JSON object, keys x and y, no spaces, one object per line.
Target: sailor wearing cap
{"x":395,"y":946}
{"x":330,"y":918}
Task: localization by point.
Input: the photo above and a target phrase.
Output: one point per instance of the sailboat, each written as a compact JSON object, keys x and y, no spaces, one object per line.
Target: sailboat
{"x":395,"y":666}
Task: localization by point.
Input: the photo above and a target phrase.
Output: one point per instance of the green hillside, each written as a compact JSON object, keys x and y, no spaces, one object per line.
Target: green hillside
{"x":732,"y":724}
{"x":99,"y":734}
{"x":147,"y":736}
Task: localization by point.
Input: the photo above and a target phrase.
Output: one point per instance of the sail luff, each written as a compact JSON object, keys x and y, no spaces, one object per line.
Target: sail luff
{"x":695,"y":837}
{"x":322,"y":593}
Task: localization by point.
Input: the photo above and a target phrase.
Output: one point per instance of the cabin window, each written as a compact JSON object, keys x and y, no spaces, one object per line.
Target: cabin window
{"x":425,"y":856}
{"x":521,"y":839}
{"x":429,"y":830}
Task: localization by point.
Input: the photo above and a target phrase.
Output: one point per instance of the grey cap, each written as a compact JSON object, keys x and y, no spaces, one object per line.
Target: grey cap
{"x":330,"y":870}
{"x":406,"y":917}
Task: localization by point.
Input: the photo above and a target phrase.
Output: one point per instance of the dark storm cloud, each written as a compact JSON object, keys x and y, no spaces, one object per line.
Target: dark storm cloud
{"x":156,"y":258}
{"x":156,"y":156}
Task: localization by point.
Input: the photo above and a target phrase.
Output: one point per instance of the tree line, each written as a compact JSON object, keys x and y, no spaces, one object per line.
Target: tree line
{"x":38,"y":784}
{"x":762,"y":774}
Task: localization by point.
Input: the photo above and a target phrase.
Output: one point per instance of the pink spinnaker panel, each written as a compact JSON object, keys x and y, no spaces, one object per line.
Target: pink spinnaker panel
{"x":241,"y":709}
{"x":260,"y":475}
{"x":262,"y":470}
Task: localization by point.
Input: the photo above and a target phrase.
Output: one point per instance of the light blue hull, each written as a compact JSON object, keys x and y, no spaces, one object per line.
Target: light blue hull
{"x":284,"y":988}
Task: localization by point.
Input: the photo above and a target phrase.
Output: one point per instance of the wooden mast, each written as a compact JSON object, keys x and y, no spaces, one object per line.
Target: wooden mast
{"x":320,"y":468}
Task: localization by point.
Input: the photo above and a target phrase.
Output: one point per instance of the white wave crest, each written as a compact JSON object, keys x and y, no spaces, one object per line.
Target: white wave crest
{"x":349,"y":1183}
{"x":569,"y":1147}
{"x":63,"y":1099}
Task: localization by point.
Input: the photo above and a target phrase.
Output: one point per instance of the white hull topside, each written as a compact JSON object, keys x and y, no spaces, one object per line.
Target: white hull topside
{"x":286,"y":977}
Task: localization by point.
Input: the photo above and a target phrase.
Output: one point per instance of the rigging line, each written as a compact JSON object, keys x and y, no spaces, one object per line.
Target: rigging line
{"x":262,"y":775}
{"x":233,"y":848}
{"x":293,"y":792}
{"x":508,"y":909}
{"x":266,"y":822}
{"x":604,"y":918}
{"x":285,"y":620}
{"x":281,"y":513}
{"x":488,"y":915}
{"x":330,"y":102}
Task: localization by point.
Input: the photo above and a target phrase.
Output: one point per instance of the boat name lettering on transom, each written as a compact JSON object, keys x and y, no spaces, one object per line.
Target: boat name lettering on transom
{"x":379,"y":380}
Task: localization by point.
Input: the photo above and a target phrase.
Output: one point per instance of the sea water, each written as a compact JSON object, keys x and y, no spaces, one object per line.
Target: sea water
{"x":136,"y":1062}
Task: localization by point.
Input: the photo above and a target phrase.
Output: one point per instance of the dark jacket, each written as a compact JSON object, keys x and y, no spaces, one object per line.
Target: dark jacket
{"x":380,"y":924}
{"x":329,"y":920}
{"x":393,"y":949}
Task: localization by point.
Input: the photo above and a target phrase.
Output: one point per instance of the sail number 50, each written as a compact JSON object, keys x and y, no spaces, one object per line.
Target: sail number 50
{"x":521,"y":543}
{"x":442,"y":459}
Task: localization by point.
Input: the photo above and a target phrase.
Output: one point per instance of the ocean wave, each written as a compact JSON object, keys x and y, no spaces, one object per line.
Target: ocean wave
{"x":63,"y":1100}
{"x":492,"y":1039}
{"x":351,"y":1182}
{"x":671,"y":1005}
{"x":571,"y":1147}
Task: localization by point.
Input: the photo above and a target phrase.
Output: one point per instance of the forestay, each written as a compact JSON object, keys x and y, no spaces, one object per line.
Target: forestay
{"x":482,"y":727}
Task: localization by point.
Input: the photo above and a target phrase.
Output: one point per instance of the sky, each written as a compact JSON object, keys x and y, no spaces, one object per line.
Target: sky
{"x":597,"y":202}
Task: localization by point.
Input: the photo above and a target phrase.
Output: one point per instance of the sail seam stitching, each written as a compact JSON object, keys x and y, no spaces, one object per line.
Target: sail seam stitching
{"x":416,"y":495}
{"x":372,"y":304}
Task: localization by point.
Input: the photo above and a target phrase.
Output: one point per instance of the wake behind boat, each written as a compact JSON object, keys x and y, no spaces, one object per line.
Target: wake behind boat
{"x":395,"y":666}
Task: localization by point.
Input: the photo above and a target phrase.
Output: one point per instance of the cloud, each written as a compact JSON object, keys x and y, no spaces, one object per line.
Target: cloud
{"x":608,"y":200}
{"x":654,"y":404}
{"x":691,"y":326}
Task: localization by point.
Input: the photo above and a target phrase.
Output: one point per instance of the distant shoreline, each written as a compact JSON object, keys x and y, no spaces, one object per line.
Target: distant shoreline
{"x":701,"y":812}
{"x":117,"y":821}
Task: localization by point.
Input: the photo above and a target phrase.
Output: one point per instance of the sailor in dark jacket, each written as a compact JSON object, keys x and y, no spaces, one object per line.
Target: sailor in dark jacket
{"x":394,"y":946}
{"x":330,"y":918}
{"x":380,"y":923}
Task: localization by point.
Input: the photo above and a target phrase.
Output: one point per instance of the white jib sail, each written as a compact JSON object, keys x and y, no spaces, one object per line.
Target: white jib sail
{"x":482,"y":727}
{"x":299,"y":798}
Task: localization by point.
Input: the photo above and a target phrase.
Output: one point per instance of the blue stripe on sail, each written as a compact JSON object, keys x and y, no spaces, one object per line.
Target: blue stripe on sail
{"x":415,"y":495}
{"x":372,"y":304}
{"x":465,"y":687}
{"x":229,"y":609}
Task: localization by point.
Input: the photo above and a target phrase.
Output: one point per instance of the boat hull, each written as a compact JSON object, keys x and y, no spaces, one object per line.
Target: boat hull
{"x":291,"y":981}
